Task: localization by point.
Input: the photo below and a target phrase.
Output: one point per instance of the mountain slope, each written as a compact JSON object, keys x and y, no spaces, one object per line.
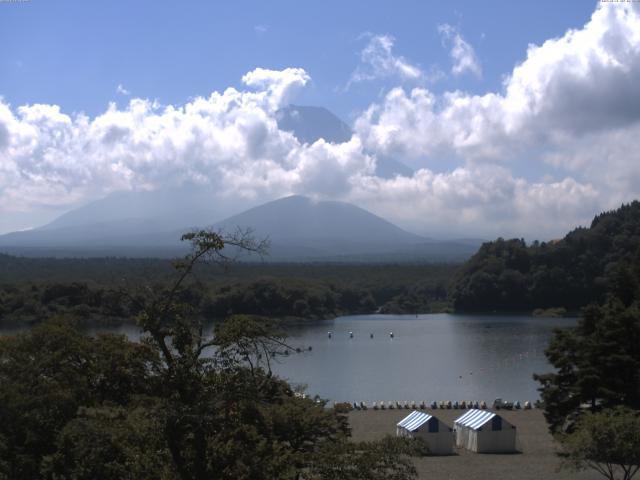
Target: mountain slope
{"x":298,"y":219}
{"x":119,"y":221}
{"x":299,"y":229}
{"x":168,"y":208}
{"x":309,"y":124}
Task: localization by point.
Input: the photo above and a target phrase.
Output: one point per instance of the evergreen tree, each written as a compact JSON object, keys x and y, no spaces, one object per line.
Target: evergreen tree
{"x":597,"y":363}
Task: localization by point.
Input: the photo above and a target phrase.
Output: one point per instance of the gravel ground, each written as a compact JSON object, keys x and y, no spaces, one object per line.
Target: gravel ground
{"x":536,"y":458}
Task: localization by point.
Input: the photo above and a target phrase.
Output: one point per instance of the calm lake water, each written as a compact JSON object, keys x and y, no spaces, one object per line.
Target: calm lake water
{"x":431,"y":357}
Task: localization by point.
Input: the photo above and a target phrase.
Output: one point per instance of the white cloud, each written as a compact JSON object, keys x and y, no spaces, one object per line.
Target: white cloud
{"x":378,"y":61}
{"x":276,"y":86}
{"x":570,"y":110}
{"x":122,"y":91}
{"x":260,"y":29}
{"x":462,"y":53}
{"x":229,"y":141}
{"x":486,"y":201}
{"x":582,"y":83}
{"x":571,"y":106}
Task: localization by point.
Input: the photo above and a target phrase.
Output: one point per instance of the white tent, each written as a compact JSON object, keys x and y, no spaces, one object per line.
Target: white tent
{"x":437,"y":435}
{"x":484,"y":432}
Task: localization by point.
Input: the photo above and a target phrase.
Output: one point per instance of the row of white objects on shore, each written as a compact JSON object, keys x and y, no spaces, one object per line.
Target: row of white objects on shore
{"x":448,"y":404}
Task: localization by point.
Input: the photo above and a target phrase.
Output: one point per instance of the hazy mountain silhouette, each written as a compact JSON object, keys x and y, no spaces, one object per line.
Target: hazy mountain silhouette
{"x":124,"y":218}
{"x":119,"y":221}
{"x":298,"y":219}
{"x":299,"y":229}
{"x":309,"y":124}
{"x":161,"y":210}
{"x":149,"y":223}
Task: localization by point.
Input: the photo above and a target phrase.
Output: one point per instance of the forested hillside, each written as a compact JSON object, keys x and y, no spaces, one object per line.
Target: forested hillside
{"x":105,"y":291}
{"x":509,"y":275}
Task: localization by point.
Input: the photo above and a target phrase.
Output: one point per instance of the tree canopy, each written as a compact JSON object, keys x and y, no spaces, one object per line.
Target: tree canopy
{"x":607,"y":442}
{"x":597,"y":364}
{"x":509,"y":275}
{"x":32,"y":289}
{"x":179,"y":404}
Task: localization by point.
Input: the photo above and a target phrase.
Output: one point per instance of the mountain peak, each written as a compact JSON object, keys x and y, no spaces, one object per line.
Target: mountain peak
{"x":302,"y":218}
{"x":309,"y":124}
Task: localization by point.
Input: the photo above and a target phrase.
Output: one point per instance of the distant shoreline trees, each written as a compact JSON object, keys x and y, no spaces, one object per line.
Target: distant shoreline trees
{"x":34,"y":289}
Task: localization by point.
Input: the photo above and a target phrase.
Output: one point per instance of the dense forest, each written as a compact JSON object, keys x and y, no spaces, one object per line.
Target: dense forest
{"x":106,"y":290}
{"x":509,"y":275}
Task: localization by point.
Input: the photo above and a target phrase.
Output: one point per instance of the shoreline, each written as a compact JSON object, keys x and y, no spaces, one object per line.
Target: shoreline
{"x":536,"y":457}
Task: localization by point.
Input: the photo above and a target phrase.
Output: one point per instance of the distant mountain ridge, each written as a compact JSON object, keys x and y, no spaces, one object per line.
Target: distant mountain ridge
{"x":300,"y":229}
{"x":168,"y":208}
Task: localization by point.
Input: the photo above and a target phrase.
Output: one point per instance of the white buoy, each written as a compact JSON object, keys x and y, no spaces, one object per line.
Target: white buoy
{"x":391,"y":334}
{"x":329,"y":334}
{"x":350,"y":334}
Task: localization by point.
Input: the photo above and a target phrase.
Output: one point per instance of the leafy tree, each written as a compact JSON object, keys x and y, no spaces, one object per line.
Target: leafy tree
{"x":180,"y":404}
{"x":226,"y":415}
{"x":47,"y":374}
{"x":597,"y":364}
{"x":607,"y":442}
{"x":110,"y":443}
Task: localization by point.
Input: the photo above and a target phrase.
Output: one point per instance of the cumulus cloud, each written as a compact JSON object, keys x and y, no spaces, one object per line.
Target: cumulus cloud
{"x":571,"y":109}
{"x":276,"y":86}
{"x":378,"y":61}
{"x":462,"y":53}
{"x":571,"y":105}
{"x":229,"y":141}
{"x":569,"y":87}
{"x":483,"y":200}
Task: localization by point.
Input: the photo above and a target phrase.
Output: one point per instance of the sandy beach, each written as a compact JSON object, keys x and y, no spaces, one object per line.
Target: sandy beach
{"x":536,"y":458}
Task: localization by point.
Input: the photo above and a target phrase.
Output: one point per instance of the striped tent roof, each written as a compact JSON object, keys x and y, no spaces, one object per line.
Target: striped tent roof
{"x":414,"y":420}
{"x":475,"y":418}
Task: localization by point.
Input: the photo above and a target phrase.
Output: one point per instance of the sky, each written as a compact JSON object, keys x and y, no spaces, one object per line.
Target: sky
{"x":520,"y":119}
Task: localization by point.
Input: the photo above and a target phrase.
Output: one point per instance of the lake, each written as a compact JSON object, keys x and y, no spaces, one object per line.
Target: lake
{"x":430,"y":357}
